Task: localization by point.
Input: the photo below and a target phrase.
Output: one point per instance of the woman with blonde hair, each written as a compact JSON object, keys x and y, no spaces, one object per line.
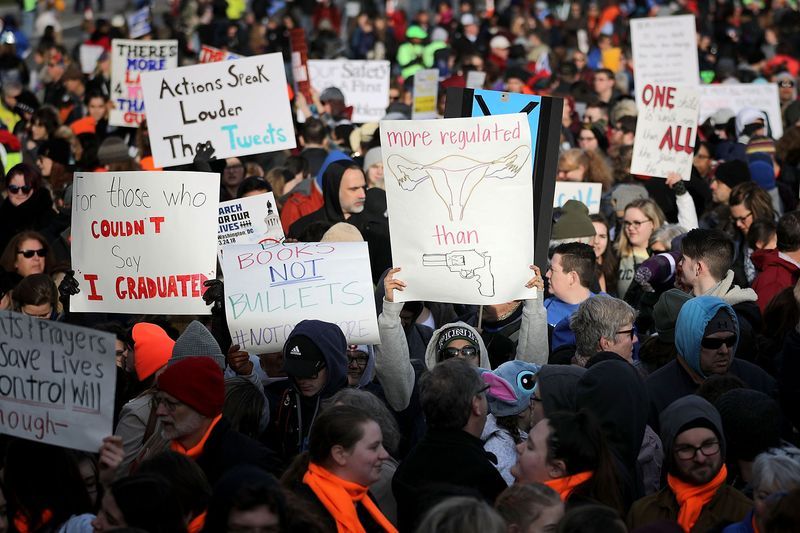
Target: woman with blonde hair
{"x":585,"y":165}
{"x":641,"y":218}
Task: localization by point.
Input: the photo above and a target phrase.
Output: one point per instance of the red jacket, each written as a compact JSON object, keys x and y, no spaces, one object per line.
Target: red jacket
{"x":299,"y":204}
{"x":774,"y":275}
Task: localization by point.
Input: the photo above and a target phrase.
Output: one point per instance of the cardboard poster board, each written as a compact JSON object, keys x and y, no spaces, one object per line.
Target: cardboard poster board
{"x":426,"y":91}
{"x":588,"y":194}
{"x":665,"y":51}
{"x":737,"y":96}
{"x":365,"y":84}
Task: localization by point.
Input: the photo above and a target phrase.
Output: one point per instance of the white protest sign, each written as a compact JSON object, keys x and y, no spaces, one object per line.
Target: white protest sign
{"x":426,"y":90}
{"x":241,"y":107}
{"x":737,"y":96}
{"x":475,"y":79}
{"x":365,"y":84}
{"x":89,"y":54}
{"x":129,"y":59}
{"x":57,"y":382}
{"x":250,"y":220}
{"x":665,"y":130}
{"x":144,"y":242}
{"x":460,"y":198}
{"x":139,"y":23}
{"x":587,"y":193}
{"x":209,"y":54}
{"x":272,"y":287}
{"x":665,"y":51}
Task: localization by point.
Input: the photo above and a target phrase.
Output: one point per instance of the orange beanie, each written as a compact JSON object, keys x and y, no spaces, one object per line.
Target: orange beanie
{"x":152,"y":349}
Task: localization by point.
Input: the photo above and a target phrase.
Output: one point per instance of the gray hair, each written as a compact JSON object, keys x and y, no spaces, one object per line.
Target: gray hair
{"x":665,"y":234}
{"x":460,"y":514}
{"x":246,"y":407}
{"x":776,"y":471}
{"x":598,"y":317}
{"x":371,"y":404}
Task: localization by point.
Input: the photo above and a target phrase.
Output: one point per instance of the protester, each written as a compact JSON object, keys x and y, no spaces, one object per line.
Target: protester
{"x":533,"y":508}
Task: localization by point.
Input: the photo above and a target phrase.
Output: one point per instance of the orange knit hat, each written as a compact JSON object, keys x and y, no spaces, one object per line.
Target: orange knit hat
{"x":152,"y":349}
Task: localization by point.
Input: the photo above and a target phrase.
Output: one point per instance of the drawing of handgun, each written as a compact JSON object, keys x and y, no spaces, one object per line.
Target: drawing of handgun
{"x":470,"y":264}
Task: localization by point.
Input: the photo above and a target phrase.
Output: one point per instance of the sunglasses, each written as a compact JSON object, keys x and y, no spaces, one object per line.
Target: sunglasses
{"x":786,"y":84}
{"x":27,"y":254}
{"x":466,"y":351}
{"x":16,"y":189}
{"x":711,"y":343}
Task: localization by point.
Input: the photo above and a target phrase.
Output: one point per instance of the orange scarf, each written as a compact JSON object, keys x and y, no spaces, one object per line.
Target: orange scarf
{"x":565,"y":485}
{"x":340,"y":498}
{"x":197,"y":523}
{"x":693,"y":498}
{"x":22,"y":525}
{"x":195,"y":451}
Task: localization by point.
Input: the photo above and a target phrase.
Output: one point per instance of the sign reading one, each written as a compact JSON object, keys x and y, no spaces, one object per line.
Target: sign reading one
{"x":460,"y":198}
{"x":365,"y":84}
{"x":272,"y":287}
{"x":251,"y":220}
{"x":241,"y":107}
{"x":57,"y":382}
{"x":143,"y":242}
{"x":129,"y":59}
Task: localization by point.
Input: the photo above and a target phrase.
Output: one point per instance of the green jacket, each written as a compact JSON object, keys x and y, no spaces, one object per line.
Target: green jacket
{"x":410,"y":58}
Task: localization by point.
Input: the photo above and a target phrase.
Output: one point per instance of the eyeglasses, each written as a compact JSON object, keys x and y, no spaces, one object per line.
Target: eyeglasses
{"x":359,"y":360}
{"x":170,"y":405}
{"x":712,"y":343}
{"x":27,"y":254}
{"x":736,"y":220}
{"x":635,"y":224}
{"x":631,"y":332}
{"x":786,"y":84}
{"x":466,"y":351}
{"x":688,"y":452}
{"x":17,"y":189}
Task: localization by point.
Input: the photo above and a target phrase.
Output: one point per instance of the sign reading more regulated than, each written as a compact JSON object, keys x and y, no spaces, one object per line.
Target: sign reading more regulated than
{"x":241,"y":107}
{"x":57,"y":382}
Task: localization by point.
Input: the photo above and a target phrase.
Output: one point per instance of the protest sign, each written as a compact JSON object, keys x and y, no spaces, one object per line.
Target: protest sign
{"x":209,"y":54}
{"x":89,"y":54}
{"x":240,"y":107}
{"x":129,"y":59}
{"x":737,"y":96}
{"x":426,"y":90}
{"x":139,"y":23}
{"x":665,"y":130}
{"x":143,"y":242}
{"x":271,"y":287}
{"x":250,"y":220}
{"x":664,"y":51}
{"x":460,"y":225}
{"x":587,"y":193}
{"x":365,"y":84}
{"x":475,"y":79}
{"x":57,"y":382}
{"x":544,"y":122}
{"x":297,"y":39}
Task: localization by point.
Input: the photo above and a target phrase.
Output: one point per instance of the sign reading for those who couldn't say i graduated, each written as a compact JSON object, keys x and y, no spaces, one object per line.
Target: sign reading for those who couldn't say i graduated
{"x":241,"y":107}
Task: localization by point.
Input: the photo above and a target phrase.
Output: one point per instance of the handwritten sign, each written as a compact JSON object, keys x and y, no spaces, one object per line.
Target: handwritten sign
{"x":270,"y":288}
{"x":209,"y":54}
{"x":737,"y":96}
{"x":455,"y":189}
{"x":129,"y":59}
{"x":426,"y":90}
{"x":365,"y":84}
{"x":251,"y":220}
{"x":57,"y":382}
{"x":89,"y":54}
{"x":665,"y":51}
{"x":241,"y":107}
{"x":665,"y":130}
{"x":475,"y":79}
{"x":139,"y":23}
{"x":587,"y":193}
{"x":143,"y":242}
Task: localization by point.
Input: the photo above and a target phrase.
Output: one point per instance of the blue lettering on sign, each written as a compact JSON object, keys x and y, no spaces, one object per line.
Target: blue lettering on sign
{"x":586,"y":197}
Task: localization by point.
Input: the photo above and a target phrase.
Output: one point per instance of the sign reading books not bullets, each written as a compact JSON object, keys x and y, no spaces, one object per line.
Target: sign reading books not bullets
{"x":241,"y":107}
{"x":460,"y":199}
{"x":144,"y":242}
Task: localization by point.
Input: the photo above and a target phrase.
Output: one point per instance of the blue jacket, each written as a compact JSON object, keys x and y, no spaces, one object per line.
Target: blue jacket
{"x":691,"y":325}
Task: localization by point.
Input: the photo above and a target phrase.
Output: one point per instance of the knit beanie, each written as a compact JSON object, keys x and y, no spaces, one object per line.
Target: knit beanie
{"x":721,"y":322}
{"x":760,"y":145}
{"x":197,"y":382}
{"x":763,"y":174}
{"x":510,"y":387}
{"x":456,"y":332}
{"x":690,"y":328}
{"x":732,"y":173}
{"x":342,"y":232}
{"x":56,"y":149}
{"x":751,"y":421}
{"x":625,"y":193}
{"x":665,"y":313}
{"x":197,"y":341}
{"x":372,"y":157}
{"x":152,"y":349}
{"x":574,"y":222}
{"x":113,"y":150}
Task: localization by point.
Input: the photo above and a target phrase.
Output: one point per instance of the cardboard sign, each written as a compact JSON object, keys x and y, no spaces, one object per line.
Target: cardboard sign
{"x":89,"y":54}
{"x":587,"y":193}
{"x":365,"y":84}
{"x":737,"y":96}
{"x":251,"y":220}
{"x":209,"y":54}
{"x":426,"y":90}
{"x":144,"y":242}
{"x":139,"y":23}
{"x":665,"y":130}
{"x":57,"y":382}
{"x":241,"y":107}
{"x":129,"y":59}
{"x":665,"y":51}
{"x":447,"y":181}
{"x":270,"y":288}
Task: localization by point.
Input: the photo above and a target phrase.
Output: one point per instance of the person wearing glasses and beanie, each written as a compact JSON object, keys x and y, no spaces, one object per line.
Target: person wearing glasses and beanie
{"x":706,"y":338}
{"x":696,"y":496}
{"x":28,"y":204}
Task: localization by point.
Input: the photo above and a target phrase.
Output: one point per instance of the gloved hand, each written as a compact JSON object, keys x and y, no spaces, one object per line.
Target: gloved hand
{"x":215,"y":293}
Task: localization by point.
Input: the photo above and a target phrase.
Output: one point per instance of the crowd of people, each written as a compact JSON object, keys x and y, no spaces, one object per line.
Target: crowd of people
{"x":653,"y":384}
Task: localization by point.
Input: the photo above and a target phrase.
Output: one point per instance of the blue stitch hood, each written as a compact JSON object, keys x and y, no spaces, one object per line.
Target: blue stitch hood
{"x":691,"y":325}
